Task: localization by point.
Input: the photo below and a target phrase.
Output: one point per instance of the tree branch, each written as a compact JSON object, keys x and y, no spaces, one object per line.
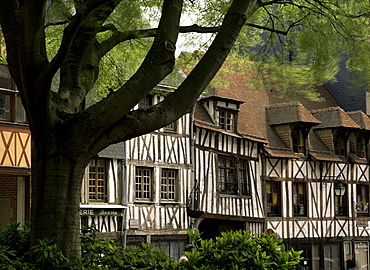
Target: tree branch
{"x":83,"y":11}
{"x":118,"y":37}
{"x":78,"y":59}
{"x":157,"y":65}
{"x":9,"y":22}
{"x":139,"y":122}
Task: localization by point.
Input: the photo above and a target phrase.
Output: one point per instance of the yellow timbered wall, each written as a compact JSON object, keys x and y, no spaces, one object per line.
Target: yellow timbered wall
{"x":15,"y":148}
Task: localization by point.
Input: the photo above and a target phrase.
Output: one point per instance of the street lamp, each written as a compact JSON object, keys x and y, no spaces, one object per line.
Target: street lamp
{"x":339,"y":189}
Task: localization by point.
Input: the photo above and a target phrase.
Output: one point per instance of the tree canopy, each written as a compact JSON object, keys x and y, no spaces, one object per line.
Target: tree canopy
{"x":60,"y":50}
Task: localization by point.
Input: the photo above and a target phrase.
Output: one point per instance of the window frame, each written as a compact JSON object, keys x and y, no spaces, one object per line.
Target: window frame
{"x":101,"y":196}
{"x":341,"y":203}
{"x":270,"y":206}
{"x":362,"y":200}
{"x":13,"y":106}
{"x":145,"y":102}
{"x":244,"y":178}
{"x":146,"y":181}
{"x":223,"y":173}
{"x":299,"y":144}
{"x":300,"y":201}
{"x":224,"y":119}
{"x":241,"y":183}
{"x":362,"y":146}
{"x":169,"y":184}
{"x":340,"y":140}
{"x":172,"y":127}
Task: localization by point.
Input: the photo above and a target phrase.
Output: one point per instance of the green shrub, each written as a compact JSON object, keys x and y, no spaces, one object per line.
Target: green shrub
{"x":107,"y":254}
{"x":16,"y":239}
{"x":239,"y":250}
{"x":233,"y":250}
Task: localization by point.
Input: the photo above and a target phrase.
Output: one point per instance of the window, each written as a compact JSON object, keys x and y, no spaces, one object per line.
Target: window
{"x":273,"y":198}
{"x":226,"y":176}
{"x":168,"y":184}
{"x":298,"y":140}
{"x":244,"y":178}
{"x":229,"y":171}
{"x":97,"y":180}
{"x":143,"y":183}
{"x":340,"y":203}
{"x":146,"y":102}
{"x":362,"y":200}
{"x":171,"y":127}
{"x":361,"y":146}
{"x":340,"y":143}
{"x":5,"y":78}
{"x":172,"y":245}
{"x":299,"y":199}
{"x":11,"y":108}
{"x":226,"y":120}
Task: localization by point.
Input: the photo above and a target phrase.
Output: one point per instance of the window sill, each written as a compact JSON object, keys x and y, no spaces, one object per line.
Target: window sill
{"x":169,"y":203}
{"x":224,"y":195}
{"x":103,"y":206}
{"x":143,"y":202}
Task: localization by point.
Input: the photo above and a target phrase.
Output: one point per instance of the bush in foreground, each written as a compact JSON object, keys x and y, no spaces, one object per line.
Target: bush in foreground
{"x":240,"y":250}
{"x":233,"y":250}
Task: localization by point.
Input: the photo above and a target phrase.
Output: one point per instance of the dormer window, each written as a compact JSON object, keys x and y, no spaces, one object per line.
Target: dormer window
{"x":146,"y":102}
{"x":340,"y":143}
{"x":361,"y":146}
{"x":299,"y":140}
{"x":226,"y":119}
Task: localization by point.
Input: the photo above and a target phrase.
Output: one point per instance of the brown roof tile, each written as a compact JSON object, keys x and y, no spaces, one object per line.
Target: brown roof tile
{"x":361,"y":119}
{"x":333,"y":117}
{"x":292,"y":112}
{"x":284,"y":153}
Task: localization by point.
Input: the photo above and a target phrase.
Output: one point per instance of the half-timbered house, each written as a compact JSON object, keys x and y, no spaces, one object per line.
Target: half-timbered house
{"x":137,"y":190}
{"x":15,"y":159}
{"x":299,"y":169}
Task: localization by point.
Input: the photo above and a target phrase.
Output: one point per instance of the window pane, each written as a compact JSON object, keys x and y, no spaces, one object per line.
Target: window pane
{"x":226,"y":120}
{"x":299,"y":199}
{"x":168,"y":184}
{"x":97,"y":180}
{"x":362,"y":200}
{"x":273,"y":198}
{"x":227,"y":180}
{"x":340,"y":204}
{"x":143,"y":183}
{"x":5,"y":106}
{"x":244,"y":179}
{"x":21,"y":113}
{"x":5,"y":78}
{"x":144,"y":103}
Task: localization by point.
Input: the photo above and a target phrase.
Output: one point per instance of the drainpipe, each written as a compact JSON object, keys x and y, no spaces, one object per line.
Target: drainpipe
{"x":321,"y":262}
{"x":125,"y":195}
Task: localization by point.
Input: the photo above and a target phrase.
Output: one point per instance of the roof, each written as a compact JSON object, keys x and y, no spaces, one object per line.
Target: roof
{"x":292,"y":112}
{"x":334,"y":117}
{"x":252,"y":113}
{"x":264,"y":112}
{"x":113,"y":151}
{"x":361,"y":119}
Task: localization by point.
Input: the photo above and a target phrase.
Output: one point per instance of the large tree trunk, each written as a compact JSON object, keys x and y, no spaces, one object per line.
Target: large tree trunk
{"x":56,"y":185}
{"x":64,"y":138}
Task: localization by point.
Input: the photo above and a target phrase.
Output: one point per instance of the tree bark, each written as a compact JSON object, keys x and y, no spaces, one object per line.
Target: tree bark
{"x":56,"y":189}
{"x":64,"y":139}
